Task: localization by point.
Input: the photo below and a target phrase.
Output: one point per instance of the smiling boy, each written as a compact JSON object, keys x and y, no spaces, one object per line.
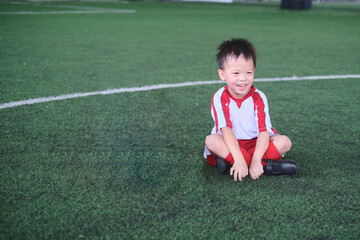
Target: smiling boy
{"x":243,"y":140}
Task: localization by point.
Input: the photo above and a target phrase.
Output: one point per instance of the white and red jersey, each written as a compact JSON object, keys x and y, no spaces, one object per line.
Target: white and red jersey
{"x":247,"y":117}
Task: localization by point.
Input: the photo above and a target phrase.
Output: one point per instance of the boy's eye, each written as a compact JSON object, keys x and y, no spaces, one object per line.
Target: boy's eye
{"x":235,"y":73}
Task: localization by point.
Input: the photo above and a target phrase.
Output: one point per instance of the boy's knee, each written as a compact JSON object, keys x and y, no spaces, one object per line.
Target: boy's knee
{"x":287,"y":143}
{"x":283,"y":144}
{"x":211,"y":141}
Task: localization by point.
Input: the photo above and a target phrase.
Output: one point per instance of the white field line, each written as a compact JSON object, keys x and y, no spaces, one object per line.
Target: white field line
{"x":79,"y":10}
{"x":160,"y":86}
{"x":80,"y":7}
{"x":68,"y":12}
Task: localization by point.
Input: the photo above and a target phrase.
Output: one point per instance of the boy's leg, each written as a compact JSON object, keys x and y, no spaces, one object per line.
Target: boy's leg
{"x":271,"y":153}
{"x":224,"y":164}
{"x":216,"y":144}
{"x":278,"y":146}
{"x":282,"y":143}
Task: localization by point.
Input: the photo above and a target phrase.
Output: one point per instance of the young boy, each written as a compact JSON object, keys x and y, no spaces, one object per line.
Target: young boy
{"x":243,"y":140}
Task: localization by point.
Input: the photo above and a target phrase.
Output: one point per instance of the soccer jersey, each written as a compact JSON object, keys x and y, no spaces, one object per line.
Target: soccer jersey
{"x":247,"y":117}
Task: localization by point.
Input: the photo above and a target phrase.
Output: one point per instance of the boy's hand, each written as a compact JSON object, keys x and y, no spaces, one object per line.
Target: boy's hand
{"x":256,"y":169}
{"x":239,"y":170}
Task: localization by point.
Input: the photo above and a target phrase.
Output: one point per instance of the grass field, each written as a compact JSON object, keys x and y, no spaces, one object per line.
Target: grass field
{"x":130,"y":165}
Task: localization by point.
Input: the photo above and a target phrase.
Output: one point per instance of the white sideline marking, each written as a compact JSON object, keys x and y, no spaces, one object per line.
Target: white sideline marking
{"x":294,"y":78}
{"x":160,"y":86}
{"x":69,"y":12}
{"x":80,"y":10}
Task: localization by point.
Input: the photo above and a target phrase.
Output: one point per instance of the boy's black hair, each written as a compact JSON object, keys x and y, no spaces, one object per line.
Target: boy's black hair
{"x":234,"y":48}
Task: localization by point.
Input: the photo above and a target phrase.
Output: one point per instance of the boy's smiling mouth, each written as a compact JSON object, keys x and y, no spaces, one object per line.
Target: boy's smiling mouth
{"x":241,"y":86}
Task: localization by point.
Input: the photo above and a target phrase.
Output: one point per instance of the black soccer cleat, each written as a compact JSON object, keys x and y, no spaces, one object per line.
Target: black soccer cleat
{"x":223,"y":166}
{"x":280,"y":167}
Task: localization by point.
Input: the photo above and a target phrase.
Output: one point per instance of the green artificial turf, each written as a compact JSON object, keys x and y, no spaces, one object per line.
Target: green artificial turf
{"x":130,"y":165}
{"x":46,"y":55}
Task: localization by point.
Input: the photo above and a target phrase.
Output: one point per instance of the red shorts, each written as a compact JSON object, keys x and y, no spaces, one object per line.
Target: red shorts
{"x":247,"y":148}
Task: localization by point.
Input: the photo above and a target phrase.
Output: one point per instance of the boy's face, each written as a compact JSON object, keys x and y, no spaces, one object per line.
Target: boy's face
{"x":239,"y":75}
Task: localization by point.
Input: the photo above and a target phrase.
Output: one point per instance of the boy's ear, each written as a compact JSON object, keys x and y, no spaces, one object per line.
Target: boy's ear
{"x":221,"y":74}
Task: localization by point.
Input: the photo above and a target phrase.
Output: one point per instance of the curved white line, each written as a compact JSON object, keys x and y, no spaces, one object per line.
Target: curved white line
{"x":160,"y":86}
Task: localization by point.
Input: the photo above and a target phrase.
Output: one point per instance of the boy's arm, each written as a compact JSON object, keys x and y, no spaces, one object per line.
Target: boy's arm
{"x":239,"y":168}
{"x":262,"y":143}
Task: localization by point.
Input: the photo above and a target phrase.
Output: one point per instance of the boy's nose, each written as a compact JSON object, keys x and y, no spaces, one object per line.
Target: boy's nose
{"x":242,"y":77}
